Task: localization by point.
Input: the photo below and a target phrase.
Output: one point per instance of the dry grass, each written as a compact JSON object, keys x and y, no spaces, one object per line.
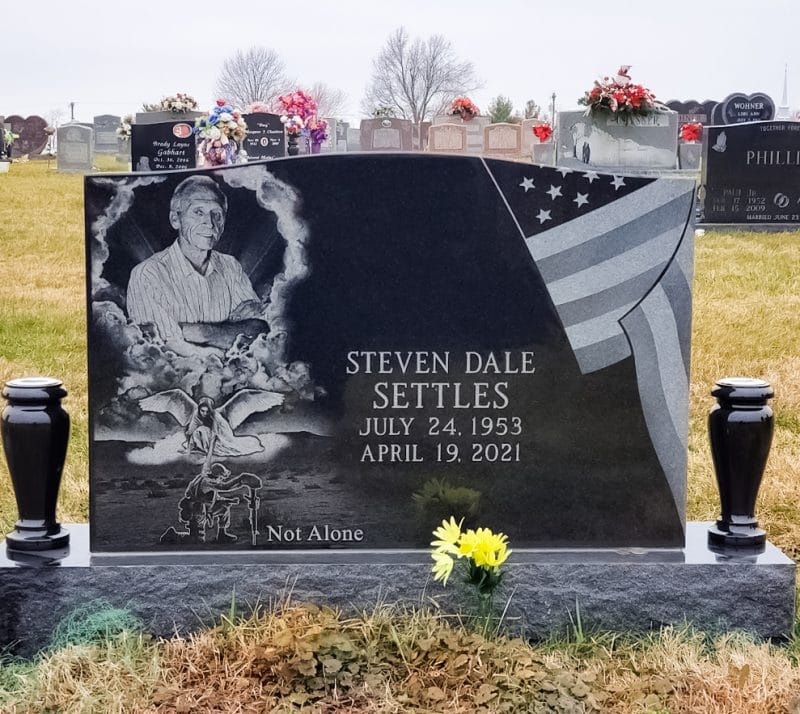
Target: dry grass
{"x":311,"y":659}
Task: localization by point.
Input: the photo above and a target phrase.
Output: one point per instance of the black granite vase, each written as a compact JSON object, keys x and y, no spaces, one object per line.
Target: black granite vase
{"x":292,"y":147}
{"x":740,"y":427}
{"x":35,"y":430}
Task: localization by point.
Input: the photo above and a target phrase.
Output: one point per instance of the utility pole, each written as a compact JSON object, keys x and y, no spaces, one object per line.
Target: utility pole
{"x":72,"y":111}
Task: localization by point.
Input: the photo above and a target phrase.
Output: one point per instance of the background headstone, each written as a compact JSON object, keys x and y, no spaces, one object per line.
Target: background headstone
{"x":528,"y":137}
{"x":165,"y":146}
{"x":751,"y":173}
{"x":513,"y":350}
{"x":388,"y":134}
{"x":692,"y":110}
{"x":353,"y":139}
{"x":739,"y":108}
{"x":32,"y":137}
{"x":502,"y":139}
{"x":266,"y":138}
{"x":342,"y":127}
{"x":105,"y":133}
{"x":447,"y":138}
{"x":330,"y":144}
{"x":75,"y":148}
{"x":601,"y":141}
{"x":474,"y":128}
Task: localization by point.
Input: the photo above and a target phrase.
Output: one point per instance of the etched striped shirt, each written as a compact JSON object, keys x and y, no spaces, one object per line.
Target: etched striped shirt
{"x":165,"y":290}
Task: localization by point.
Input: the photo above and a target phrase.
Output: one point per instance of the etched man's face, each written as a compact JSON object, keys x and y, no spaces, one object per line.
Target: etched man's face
{"x":200,"y":220}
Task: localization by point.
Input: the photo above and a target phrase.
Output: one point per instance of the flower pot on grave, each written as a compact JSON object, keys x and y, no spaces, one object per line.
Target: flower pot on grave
{"x":544,"y":153}
{"x":316,"y":146}
{"x":740,"y":428}
{"x":35,"y":430}
{"x":644,"y":142}
{"x":292,"y":148}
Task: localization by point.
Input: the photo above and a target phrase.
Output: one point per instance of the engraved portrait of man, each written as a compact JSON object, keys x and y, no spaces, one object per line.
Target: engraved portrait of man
{"x":189,"y":291}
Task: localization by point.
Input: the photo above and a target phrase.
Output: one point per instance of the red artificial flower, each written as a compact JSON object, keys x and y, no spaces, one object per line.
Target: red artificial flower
{"x":543,"y":132}
{"x":220,"y":102}
{"x":692,"y":131}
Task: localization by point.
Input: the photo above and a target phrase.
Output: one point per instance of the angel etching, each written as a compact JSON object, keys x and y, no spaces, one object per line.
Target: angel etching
{"x":204,"y":424}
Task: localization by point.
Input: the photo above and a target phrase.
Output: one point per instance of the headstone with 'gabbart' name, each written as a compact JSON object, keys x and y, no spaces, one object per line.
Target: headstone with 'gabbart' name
{"x":166,"y":146}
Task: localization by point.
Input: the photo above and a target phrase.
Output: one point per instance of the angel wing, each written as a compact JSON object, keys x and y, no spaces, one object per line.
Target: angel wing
{"x":246,"y":402}
{"x":174,"y":401}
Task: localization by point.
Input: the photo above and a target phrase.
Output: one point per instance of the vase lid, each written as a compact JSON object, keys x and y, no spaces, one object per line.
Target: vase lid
{"x":34,"y":389}
{"x":743,"y":388}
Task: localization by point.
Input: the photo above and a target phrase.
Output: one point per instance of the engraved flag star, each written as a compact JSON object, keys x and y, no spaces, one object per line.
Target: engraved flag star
{"x":591,"y":176}
{"x":543,"y":216}
{"x":618,"y":182}
{"x":527,"y":183}
{"x":554,"y":191}
{"x":581,"y":199}
{"x":564,"y":171}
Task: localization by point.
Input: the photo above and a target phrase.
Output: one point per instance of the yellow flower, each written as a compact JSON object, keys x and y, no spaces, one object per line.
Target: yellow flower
{"x":442,"y":567}
{"x":468,"y":543}
{"x":489,"y":550}
{"x":447,"y":536}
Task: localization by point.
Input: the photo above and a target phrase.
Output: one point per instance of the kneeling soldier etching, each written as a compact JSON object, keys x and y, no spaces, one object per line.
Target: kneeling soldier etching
{"x":207,"y":503}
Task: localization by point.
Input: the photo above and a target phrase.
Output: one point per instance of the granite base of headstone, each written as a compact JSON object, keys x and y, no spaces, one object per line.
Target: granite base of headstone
{"x":689,"y":155}
{"x":616,"y":590}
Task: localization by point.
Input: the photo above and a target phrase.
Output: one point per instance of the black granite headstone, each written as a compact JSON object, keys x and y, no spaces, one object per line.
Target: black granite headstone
{"x":166,"y":146}
{"x":347,"y":371}
{"x":266,"y":138}
{"x":692,"y":110}
{"x":751,"y":173}
{"x":739,"y":108}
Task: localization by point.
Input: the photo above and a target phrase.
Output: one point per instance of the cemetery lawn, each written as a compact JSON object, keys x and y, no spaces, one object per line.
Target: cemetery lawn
{"x":746,"y":323}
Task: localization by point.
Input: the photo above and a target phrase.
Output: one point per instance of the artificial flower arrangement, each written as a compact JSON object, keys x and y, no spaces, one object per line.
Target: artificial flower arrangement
{"x":464,"y":108}
{"x":619,"y":97}
{"x":124,"y":128}
{"x":299,"y":115}
{"x":293,"y":124}
{"x":692,"y":131}
{"x":383,"y":113}
{"x":9,"y":137}
{"x":221,"y":133}
{"x":317,"y":129}
{"x":543,"y":132}
{"x":297,"y":103}
{"x":480,"y":551}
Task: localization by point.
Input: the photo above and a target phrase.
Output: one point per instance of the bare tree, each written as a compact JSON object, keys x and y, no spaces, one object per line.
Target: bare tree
{"x":331,"y":102}
{"x":256,"y":75}
{"x":417,"y":78}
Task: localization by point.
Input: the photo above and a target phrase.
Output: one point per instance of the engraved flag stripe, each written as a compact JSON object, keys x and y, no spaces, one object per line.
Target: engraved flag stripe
{"x":617,"y":264}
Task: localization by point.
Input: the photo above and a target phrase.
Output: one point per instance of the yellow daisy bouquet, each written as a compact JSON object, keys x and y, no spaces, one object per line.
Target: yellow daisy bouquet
{"x":481,"y":552}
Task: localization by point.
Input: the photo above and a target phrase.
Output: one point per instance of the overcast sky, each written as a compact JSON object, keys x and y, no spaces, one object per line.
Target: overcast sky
{"x":110,"y":57}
